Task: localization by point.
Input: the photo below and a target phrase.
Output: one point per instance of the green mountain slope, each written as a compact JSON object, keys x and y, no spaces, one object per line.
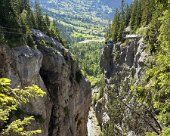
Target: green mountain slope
{"x":79,"y":20}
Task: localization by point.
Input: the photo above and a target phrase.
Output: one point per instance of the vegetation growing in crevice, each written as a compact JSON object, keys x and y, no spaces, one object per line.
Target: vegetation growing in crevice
{"x":66,"y":110}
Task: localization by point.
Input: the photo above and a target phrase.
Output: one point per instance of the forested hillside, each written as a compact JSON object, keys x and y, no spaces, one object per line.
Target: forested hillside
{"x":17,"y":19}
{"x":147,"y":102}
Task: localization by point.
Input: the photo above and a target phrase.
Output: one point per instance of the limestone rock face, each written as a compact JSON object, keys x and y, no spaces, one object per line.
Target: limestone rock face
{"x":106,"y":62}
{"x":63,"y":111}
{"x":122,"y":65}
{"x":130,"y":56}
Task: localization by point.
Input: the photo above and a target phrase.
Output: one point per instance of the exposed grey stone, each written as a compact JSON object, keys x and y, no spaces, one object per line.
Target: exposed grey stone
{"x":63,"y":111}
{"x":123,"y":64}
{"x":106,"y":62}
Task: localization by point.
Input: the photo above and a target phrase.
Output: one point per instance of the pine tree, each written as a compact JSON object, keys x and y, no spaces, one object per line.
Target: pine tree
{"x":127,"y":15}
{"x":153,"y":31}
{"x":25,"y":5}
{"x":32,"y":20}
{"x":133,"y":15}
{"x":115,"y":26}
{"x":121,"y":22}
{"x":136,"y":15}
{"x":10,"y":19}
{"x":47,"y":23}
{"x":148,"y":7}
{"x":108,"y":34}
{"x":39,"y":16}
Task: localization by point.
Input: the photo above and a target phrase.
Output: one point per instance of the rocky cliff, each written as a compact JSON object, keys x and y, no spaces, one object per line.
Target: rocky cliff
{"x":118,"y":57}
{"x":123,"y":65}
{"x":64,"y":109}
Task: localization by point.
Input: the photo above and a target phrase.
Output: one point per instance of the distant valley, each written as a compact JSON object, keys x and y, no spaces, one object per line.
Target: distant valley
{"x":80,"y":20}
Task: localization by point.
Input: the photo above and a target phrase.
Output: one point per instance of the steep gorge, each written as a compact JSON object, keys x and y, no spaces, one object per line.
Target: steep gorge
{"x":129,"y":104}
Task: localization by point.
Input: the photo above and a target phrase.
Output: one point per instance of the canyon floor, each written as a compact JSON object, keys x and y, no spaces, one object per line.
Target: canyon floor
{"x":92,"y":125}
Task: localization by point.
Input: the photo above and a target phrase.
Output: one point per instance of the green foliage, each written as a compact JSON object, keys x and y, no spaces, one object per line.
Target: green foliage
{"x":134,"y":15}
{"x":125,"y":114}
{"x":115,"y":26}
{"x":154,"y":91}
{"x":165,"y":132}
{"x":88,"y":55}
{"x":66,"y":110}
{"x":142,"y":31}
{"x":139,"y":14}
{"x":153,"y":30}
{"x":121,"y":20}
{"x":148,"y":8}
{"x":95,"y":98}
{"x":17,"y":128}
{"x":10,"y":100}
{"x":80,"y":20}
{"x":18,"y":19}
